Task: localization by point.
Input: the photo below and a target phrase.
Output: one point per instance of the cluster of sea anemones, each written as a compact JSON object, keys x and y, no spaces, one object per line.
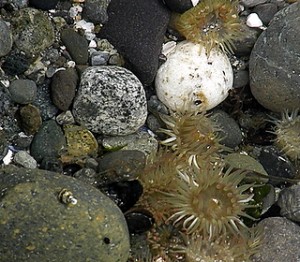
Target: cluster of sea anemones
{"x":287,"y":131}
{"x":211,"y":23}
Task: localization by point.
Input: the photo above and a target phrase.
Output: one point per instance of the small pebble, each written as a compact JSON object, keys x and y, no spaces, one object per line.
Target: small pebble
{"x":24,"y":159}
{"x":99,"y":58}
{"x":95,"y":11}
{"x":23,"y":91}
{"x":30,"y":119}
{"x":65,"y":118}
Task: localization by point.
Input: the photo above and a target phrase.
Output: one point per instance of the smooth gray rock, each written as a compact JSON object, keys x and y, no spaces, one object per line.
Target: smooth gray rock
{"x":40,"y":223}
{"x":5,"y":38}
{"x":252,"y":3}
{"x":281,"y":241}
{"x":289,"y":203}
{"x":266,"y":12}
{"x":23,"y":159}
{"x":23,"y":91}
{"x":274,"y":62}
{"x":110,"y":100}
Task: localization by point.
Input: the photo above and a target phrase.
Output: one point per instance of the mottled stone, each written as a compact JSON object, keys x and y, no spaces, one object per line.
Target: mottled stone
{"x":121,"y":165}
{"x":32,"y":30}
{"x":110,"y":100}
{"x":289,"y":203}
{"x":136,"y":29}
{"x":15,"y":64}
{"x":63,"y":87}
{"x":274,"y":62}
{"x":76,"y":45}
{"x":65,"y":118}
{"x":23,"y":91}
{"x":46,"y":216}
{"x":30,"y":119}
{"x":23,"y":159}
{"x":49,"y":141}
{"x":281,"y":241}
{"x":5,"y":38}
{"x":95,"y":11}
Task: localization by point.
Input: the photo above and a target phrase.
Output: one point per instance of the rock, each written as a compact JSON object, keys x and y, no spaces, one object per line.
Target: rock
{"x":63,"y":87}
{"x":275,"y":76}
{"x":32,"y":30}
{"x":76,"y":45}
{"x":5,"y":38}
{"x":65,"y":118}
{"x":23,"y":91}
{"x":110,"y":100}
{"x":136,"y":29}
{"x":95,"y":11}
{"x":230,"y":134}
{"x":15,"y":64}
{"x":99,"y":58}
{"x":252,"y":3}
{"x":179,"y":6}
{"x":240,"y":78}
{"x":121,"y":165}
{"x":48,"y":141}
{"x":190,"y":80}
{"x":43,"y":4}
{"x":141,"y":141}
{"x":3,"y":145}
{"x":289,"y":203}
{"x":281,"y":241}
{"x":23,"y":159}
{"x":30,"y":119}
{"x":50,"y":217}
{"x":266,"y":12}
{"x":276,"y":164}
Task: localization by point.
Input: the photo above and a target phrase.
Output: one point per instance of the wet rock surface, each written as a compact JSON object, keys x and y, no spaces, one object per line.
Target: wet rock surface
{"x":41,"y":223}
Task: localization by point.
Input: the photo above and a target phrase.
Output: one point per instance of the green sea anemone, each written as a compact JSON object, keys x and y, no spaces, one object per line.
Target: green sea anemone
{"x":287,"y":131}
{"x":211,"y":23}
{"x":223,"y":248}
{"x":192,"y":134}
{"x":210,"y":200}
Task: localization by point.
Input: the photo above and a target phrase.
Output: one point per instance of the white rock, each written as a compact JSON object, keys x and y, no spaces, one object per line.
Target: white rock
{"x":253,"y":20}
{"x":191,"y":80}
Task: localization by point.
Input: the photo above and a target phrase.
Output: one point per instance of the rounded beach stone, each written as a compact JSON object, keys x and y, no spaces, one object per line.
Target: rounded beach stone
{"x":274,"y":62}
{"x":110,"y":100}
{"x":41,"y":222}
{"x":5,"y":38}
{"x":23,"y":91}
{"x":95,"y":11}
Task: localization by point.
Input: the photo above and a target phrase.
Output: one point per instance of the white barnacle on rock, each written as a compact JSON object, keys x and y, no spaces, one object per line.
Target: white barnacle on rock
{"x":190,"y":79}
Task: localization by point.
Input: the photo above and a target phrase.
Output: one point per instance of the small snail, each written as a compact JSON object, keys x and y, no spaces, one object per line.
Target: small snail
{"x":66,"y":197}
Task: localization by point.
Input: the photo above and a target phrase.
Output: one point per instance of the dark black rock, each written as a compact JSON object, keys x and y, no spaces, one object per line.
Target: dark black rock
{"x":48,"y":141}
{"x":51,"y":164}
{"x":70,"y":169}
{"x":179,"y":6}
{"x":15,"y":64}
{"x":276,"y":165}
{"x":63,"y":88}
{"x":136,"y":29}
{"x":121,"y":165}
{"x":266,"y":12}
{"x":43,"y":4}
{"x":124,"y":194}
{"x":139,"y":221}
{"x":76,"y":45}
{"x":95,"y":11}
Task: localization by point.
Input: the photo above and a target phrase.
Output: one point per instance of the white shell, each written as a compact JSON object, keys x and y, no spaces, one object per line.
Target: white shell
{"x":191,"y":80}
{"x":253,"y":20}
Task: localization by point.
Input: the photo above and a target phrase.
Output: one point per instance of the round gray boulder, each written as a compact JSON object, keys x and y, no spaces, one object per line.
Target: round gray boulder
{"x":110,"y":101}
{"x":274,"y":62}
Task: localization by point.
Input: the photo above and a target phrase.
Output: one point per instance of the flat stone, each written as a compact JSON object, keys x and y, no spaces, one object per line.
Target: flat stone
{"x":110,"y":100}
{"x":5,"y":38}
{"x":41,"y":223}
{"x":23,"y":91}
{"x":136,"y":29}
{"x":274,"y":62}
{"x":76,"y":45}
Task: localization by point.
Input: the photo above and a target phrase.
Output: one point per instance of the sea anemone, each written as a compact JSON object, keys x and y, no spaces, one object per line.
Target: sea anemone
{"x":192,"y":134}
{"x":211,"y":23}
{"x":210,"y":200}
{"x":223,"y":248}
{"x":287,"y":131}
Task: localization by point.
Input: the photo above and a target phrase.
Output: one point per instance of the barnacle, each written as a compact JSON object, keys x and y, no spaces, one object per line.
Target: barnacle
{"x":287,"y":131}
{"x":210,"y":200}
{"x":192,"y":134}
{"x":223,"y":248}
{"x":211,"y":23}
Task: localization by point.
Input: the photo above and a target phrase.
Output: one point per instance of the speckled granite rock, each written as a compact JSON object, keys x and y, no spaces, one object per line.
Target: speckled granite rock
{"x":5,"y":38}
{"x":32,"y":31}
{"x":274,"y":62}
{"x":110,"y":100}
{"x":136,"y":29}
{"x":40,"y":223}
{"x":281,"y":241}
